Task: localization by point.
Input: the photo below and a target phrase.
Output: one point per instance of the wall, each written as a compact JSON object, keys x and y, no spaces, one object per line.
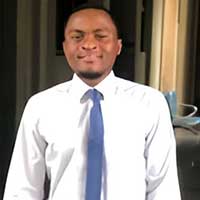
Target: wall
{"x":174,"y":41}
{"x":186,"y":50}
{"x":38,"y":66}
{"x":7,"y":85}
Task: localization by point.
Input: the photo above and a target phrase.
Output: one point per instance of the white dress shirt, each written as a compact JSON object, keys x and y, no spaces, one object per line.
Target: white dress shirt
{"x":140,"y":149}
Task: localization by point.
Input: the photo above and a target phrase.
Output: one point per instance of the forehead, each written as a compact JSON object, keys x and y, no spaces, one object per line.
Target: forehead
{"x":90,"y":18}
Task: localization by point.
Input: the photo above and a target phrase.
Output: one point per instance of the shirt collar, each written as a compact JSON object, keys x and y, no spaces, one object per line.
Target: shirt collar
{"x":106,"y":87}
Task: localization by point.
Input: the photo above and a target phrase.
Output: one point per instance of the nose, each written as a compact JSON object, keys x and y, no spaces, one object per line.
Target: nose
{"x":89,"y":43}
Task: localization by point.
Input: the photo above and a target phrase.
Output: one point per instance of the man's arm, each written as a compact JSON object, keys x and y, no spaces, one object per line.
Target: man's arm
{"x":27,"y":169}
{"x":160,"y":153}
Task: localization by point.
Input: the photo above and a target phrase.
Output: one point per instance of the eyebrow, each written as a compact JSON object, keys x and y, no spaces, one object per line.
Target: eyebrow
{"x":95,"y":31}
{"x":76,"y":30}
{"x":100,"y":30}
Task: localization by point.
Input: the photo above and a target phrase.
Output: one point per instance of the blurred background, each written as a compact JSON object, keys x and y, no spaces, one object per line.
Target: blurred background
{"x":161,"y":48}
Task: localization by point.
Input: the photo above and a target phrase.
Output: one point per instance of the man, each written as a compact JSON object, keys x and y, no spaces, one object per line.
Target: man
{"x":139,"y":144}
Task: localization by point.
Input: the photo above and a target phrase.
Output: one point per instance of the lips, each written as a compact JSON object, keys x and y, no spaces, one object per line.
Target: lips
{"x":89,"y":57}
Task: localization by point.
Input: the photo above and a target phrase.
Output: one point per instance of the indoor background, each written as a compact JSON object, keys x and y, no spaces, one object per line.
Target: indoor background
{"x":161,"y":48}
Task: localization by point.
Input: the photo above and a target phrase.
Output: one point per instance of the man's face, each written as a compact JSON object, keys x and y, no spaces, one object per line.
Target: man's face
{"x":91,"y":44}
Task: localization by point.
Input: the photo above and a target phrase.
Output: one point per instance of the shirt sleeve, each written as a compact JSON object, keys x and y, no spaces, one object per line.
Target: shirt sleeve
{"x":160,"y":153}
{"x":26,"y":173}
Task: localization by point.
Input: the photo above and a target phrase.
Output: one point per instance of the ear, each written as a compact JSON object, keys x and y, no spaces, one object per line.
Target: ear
{"x":119,"y":46}
{"x":64,"y":46}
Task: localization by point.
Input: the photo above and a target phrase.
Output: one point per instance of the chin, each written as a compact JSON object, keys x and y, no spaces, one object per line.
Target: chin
{"x":90,"y":75}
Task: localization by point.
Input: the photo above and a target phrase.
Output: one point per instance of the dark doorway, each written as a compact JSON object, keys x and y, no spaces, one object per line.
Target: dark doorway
{"x":125,"y":14}
{"x":8,"y":22}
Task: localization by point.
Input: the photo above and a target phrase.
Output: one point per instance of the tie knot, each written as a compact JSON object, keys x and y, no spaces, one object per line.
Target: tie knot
{"x":95,"y":95}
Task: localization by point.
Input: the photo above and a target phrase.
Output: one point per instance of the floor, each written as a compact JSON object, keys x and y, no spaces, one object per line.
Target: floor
{"x":188,"y":158}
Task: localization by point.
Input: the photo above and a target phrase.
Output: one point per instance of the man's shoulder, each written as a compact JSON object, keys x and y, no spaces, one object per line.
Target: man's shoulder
{"x":133,"y":88}
{"x":51,"y":93}
{"x":139,"y":94}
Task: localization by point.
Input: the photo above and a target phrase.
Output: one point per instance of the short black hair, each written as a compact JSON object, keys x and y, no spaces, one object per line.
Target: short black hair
{"x":98,"y":6}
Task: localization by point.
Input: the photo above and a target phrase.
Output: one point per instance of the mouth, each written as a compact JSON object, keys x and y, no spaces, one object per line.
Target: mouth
{"x":89,"y":58}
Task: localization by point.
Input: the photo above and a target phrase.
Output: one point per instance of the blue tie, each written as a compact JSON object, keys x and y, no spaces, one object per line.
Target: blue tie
{"x":95,"y":148}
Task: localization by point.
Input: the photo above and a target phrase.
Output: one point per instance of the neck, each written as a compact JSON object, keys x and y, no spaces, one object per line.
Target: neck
{"x":92,"y":81}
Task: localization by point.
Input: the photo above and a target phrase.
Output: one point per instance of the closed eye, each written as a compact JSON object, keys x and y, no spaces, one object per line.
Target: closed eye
{"x":77,"y":37}
{"x":100,"y":36}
